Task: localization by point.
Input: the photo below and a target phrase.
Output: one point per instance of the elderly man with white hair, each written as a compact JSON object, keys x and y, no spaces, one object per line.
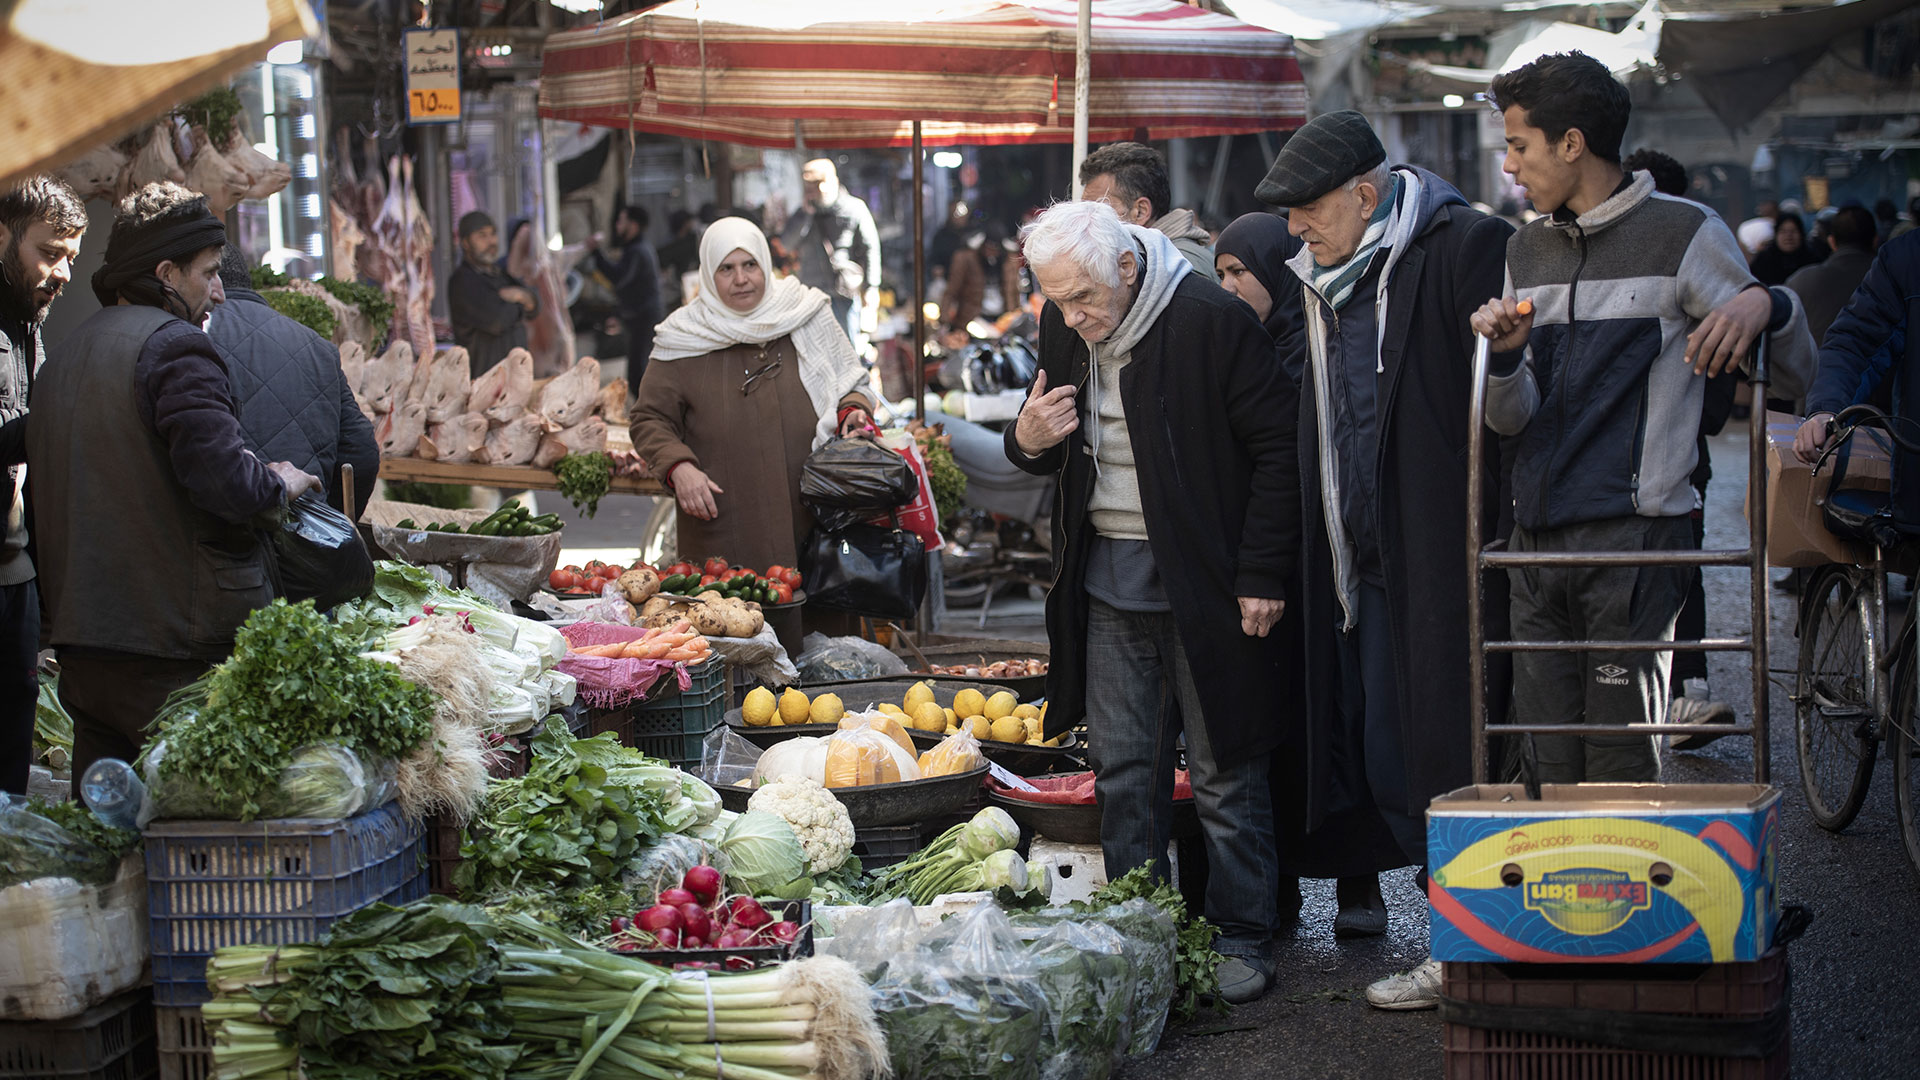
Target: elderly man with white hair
{"x":1162,"y":408}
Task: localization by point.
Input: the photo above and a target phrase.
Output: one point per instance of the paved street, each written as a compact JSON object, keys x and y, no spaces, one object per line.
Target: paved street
{"x":1854,"y":973}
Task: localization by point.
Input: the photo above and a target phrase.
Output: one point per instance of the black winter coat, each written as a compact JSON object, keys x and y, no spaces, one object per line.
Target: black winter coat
{"x":1454,"y":266}
{"x":1210,"y":414}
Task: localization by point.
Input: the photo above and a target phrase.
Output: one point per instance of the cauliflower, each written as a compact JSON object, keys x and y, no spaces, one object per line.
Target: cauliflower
{"x":818,"y":819}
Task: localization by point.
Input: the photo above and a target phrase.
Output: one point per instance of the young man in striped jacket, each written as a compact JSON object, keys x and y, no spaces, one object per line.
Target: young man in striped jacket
{"x":1635,"y":299}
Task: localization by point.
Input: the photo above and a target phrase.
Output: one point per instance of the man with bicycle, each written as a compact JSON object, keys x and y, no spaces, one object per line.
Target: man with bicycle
{"x":1859,"y":353}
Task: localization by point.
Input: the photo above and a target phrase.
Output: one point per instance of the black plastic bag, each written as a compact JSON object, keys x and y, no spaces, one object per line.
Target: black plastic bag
{"x":854,"y":480}
{"x":319,"y":556}
{"x":868,"y":569}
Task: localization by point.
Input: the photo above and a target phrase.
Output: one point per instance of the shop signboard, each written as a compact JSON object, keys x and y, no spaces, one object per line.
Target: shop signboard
{"x":433,"y":76}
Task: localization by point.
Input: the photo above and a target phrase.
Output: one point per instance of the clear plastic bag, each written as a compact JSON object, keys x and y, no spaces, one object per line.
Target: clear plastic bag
{"x":964,"y":1004}
{"x":318,"y":555}
{"x":33,"y":846}
{"x":862,"y":757}
{"x":825,"y":659}
{"x":726,"y":759}
{"x":872,"y":939}
{"x":322,"y":781}
{"x":1088,"y":978}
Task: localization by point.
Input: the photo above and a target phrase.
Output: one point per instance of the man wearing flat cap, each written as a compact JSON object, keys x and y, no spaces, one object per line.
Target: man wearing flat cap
{"x":1394,"y":264}
{"x":137,"y":459}
{"x":488,"y":308}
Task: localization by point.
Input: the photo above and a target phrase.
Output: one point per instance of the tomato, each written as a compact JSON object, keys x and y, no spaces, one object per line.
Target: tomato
{"x":571,"y":569}
{"x":776,"y":572}
{"x":612,"y":572}
{"x":783,"y":593}
{"x":708,"y":579}
{"x":729,"y":575}
{"x":717,"y":566}
{"x":559,"y":581}
{"x":791,"y":577}
{"x":593,"y":566}
{"x":680,"y":568}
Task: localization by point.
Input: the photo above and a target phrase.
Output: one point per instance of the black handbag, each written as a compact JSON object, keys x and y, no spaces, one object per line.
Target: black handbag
{"x":318,"y":555}
{"x":853,"y":480}
{"x":866,"y":569}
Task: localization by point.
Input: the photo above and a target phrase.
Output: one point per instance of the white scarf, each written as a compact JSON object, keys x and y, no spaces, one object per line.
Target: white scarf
{"x":828,"y":366}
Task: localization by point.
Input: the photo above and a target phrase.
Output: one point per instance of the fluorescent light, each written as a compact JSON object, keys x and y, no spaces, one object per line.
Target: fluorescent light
{"x":287,"y":52}
{"x":578,"y":7}
{"x":1453,"y":101}
{"x":947,"y":159}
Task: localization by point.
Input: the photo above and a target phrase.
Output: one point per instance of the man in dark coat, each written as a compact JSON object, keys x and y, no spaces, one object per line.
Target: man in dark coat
{"x":488,"y":308}
{"x":636,"y":282}
{"x":1161,"y":407}
{"x":1394,"y":263}
{"x":1826,"y":286}
{"x":41,"y":222}
{"x":294,"y":402}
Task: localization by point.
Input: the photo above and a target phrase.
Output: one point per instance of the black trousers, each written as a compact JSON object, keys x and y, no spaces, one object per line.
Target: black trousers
{"x":113,"y":696}
{"x":19,"y":684}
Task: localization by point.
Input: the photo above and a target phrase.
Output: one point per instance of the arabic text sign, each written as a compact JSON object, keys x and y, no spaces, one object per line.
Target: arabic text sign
{"x":433,"y":76}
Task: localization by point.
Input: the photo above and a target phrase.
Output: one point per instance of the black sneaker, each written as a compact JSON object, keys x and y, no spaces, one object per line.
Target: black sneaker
{"x":1363,"y":912}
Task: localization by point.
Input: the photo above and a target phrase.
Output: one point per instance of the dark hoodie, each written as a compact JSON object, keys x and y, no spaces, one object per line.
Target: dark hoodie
{"x":1263,"y":245}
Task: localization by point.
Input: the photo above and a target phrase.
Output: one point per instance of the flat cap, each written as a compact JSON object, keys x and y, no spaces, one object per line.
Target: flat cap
{"x":1327,"y":151}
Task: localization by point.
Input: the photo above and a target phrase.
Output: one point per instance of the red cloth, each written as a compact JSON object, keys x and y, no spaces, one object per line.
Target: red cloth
{"x":1075,"y":789}
{"x":605,"y":683}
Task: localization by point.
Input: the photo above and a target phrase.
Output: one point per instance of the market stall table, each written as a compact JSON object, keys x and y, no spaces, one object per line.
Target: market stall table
{"x":510,"y":477}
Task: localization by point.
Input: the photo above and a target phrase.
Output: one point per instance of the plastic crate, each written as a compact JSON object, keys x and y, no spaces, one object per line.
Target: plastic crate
{"x":186,"y":1050}
{"x":885,"y":845}
{"x":619,"y":721}
{"x":216,"y":883}
{"x":673,"y":725}
{"x":1515,"y":1021}
{"x":111,"y":1041}
{"x":441,"y":843}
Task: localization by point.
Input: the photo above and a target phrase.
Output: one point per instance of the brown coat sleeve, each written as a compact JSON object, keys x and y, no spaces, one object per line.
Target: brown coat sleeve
{"x":659,"y":418}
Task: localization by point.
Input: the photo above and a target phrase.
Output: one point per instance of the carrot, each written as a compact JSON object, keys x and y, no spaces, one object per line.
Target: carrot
{"x":682,"y":653}
{"x":612,"y":650}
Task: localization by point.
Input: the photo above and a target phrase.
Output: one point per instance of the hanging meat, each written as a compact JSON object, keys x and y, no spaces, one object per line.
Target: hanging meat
{"x":569,"y":397}
{"x":398,"y":432}
{"x":347,"y":239}
{"x":152,"y":161}
{"x":94,"y":176}
{"x":550,"y":333}
{"x":211,"y":174}
{"x":613,"y":403}
{"x":265,"y":176}
{"x":508,"y":388}
{"x":514,"y":442}
{"x":406,"y":242}
{"x":456,"y":440}
{"x":353,"y":363}
{"x":388,"y":376}
{"x":443,"y":384}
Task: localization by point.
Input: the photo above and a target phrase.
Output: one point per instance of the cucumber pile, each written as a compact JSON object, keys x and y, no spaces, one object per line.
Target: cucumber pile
{"x":512,"y":519}
{"x":746,"y":586}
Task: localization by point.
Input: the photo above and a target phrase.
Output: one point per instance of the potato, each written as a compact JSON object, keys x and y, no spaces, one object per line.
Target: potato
{"x":639,"y":584}
{"x":655,"y":605}
{"x":742,"y":623}
{"x":709,"y":620}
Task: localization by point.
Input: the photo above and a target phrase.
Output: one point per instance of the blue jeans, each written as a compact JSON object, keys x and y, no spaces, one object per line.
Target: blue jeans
{"x":1135,"y":667}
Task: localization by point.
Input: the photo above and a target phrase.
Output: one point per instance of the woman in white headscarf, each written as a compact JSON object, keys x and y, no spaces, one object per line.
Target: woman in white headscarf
{"x":744,"y":383}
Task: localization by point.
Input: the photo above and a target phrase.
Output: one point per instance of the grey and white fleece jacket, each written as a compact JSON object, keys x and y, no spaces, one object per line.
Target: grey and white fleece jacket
{"x":1605,"y":406}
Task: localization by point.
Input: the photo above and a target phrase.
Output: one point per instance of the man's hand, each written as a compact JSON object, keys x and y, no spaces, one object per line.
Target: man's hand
{"x":1258,"y":615}
{"x":695,"y":491}
{"x":1813,"y":437}
{"x":514,"y":294}
{"x":1505,"y":322}
{"x":1729,"y":331}
{"x":296,"y":482}
{"x":1048,"y":417}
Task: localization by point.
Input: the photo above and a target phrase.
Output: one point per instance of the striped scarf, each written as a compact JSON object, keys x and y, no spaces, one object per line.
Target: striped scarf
{"x":1335,"y":283}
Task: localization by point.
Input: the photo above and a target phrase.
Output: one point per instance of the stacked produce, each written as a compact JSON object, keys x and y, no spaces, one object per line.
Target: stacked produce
{"x":699,"y":914}
{"x":677,"y":641}
{"x":999,"y":669}
{"x":1000,"y":718}
{"x":513,"y":519}
{"x":776,"y":586}
{"x":974,"y":856}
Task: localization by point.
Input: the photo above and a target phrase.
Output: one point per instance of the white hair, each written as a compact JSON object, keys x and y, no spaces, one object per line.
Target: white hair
{"x":1380,"y":176}
{"x":1089,"y":235}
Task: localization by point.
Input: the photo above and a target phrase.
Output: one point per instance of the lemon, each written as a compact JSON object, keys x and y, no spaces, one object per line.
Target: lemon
{"x":1027,"y":712}
{"x":980,"y":727}
{"x":892,"y":710}
{"x":918,"y":694}
{"x":826,"y":709}
{"x":969,"y":702}
{"x":759,"y":707}
{"x":1055,"y":741}
{"x":929,"y":717}
{"x":1009,"y":729}
{"x":793,"y":707}
{"x":1033,"y":726}
{"x":1000,"y":704}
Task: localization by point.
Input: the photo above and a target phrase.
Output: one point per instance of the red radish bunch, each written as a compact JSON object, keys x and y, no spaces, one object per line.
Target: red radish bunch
{"x":699,"y":915}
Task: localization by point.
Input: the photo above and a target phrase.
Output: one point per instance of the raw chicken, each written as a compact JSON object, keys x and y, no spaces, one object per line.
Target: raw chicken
{"x":212,"y":175}
{"x":456,"y":440}
{"x":265,"y":175}
{"x":587,"y":437}
{"x":514,"y":442}
{"x":353,"y":363}
{"x":387,"y":377}
{"x":398,"y":432}
{"x":153,"y":161}
{"x":570,"y":397}
{"x":508,"y":397}
{"x":550,"y":452}
{"x":442,"y":384}
{"x":94,"y":176}
{"x":613,"y":403}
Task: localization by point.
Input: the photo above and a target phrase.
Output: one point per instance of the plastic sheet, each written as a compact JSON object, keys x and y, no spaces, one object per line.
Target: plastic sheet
{"x":32,"y":846}
{"x":850,"y":480}
{"x":66,"y":946}
{"x":964,"y":1004}
{"x":726,"y":759}
{"x":825,"y":659}
{"x":1085,"y":972}
{"x":323,"y":781}
{"x":319,"y":555}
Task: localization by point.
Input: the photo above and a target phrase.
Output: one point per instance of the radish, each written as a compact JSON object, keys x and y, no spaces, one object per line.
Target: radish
{"x":693,"y":941}
{"x":739,"y":963}
{"x":618,"y":924}
{"x":746,"y":912}
{"x":693,"y":918}
{"x":703,"y":882}
{"x":676,"y":897}
{"x":668,"y":938}
{"x":734,"y":939}
{"x":658,"y":917}
{"x":786,"y":933}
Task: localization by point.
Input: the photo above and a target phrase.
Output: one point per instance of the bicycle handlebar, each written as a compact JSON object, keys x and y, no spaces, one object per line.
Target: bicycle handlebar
{"x":1853,"y":417}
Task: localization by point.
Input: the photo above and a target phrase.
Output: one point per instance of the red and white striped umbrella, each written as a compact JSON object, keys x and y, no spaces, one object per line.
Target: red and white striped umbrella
{"x":858,"y":73}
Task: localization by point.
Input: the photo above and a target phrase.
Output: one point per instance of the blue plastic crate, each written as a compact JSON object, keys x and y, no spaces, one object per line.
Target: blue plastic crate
{"x":673,"y":724}
{"x":211,"y":884}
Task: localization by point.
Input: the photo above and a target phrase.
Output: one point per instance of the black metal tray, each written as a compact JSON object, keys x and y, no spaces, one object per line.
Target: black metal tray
{"x":908,"y":802}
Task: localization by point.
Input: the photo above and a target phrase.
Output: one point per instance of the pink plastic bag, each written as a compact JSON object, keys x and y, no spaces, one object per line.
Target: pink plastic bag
{"x":1076,"y":789}
{"x":606,"y":683}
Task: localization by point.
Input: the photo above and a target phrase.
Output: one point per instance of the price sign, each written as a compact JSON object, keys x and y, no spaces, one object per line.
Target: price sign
{"x":433,"y":76}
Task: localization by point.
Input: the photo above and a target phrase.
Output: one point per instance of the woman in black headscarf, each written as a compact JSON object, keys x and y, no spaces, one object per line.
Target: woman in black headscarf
{"x":1351,"y":845}
{"x":1788,"y":252}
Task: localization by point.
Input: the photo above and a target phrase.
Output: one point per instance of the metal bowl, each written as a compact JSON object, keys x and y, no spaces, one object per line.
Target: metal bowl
{"x":1025,"y":759}
{"x":986,"y":651}
{"x":908,"y":802}
{"x":1080,"y":824}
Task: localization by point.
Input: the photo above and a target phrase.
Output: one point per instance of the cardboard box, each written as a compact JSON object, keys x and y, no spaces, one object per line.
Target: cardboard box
{"x":1796,"y":525}
{"x":1613,"y":873}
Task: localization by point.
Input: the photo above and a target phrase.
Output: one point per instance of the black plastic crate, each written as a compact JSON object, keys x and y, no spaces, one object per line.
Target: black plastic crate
{"x":212,"y":884}
{"x":672,"y":725}
{"x":793,"y":911}
{"x":186,"y":1050}
{"x":111,"y":1041}
{"x":885,"y":845}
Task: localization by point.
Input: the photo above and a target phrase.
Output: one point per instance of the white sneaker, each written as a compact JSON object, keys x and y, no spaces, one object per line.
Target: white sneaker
{"x":1416,"y":989}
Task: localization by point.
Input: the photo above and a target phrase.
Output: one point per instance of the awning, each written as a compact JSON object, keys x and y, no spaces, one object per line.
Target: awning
{"x":1740,"y":66}
{"x":80,"y":72}
{"x":859,"y":73}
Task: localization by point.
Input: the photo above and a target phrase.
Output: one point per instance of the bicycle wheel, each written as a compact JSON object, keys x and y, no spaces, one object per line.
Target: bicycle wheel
{"x":1903,"y":743}
{"x":1834,"y":695}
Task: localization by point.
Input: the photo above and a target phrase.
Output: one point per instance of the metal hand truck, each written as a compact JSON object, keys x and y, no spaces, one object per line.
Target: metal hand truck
{"x":1482,"y":557}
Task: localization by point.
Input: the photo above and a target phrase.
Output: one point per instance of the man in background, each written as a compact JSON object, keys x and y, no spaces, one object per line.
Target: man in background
{"x":636,"y":283}
{"x":679,"y":257}
{"x":41,"y":222}
{"x":1825,"y":287}
{"x":1132,"y":178}
{"x":487,"y":307}
{"x":294,"y":402}
{"x":838,"y":245}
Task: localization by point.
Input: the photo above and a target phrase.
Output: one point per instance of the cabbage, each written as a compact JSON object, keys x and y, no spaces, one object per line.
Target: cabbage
{"x":766,"y":855}
{"x":560,"y":686}
{"x":705,"y":800}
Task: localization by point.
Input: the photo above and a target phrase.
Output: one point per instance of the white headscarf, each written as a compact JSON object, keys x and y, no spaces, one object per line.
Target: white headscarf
{"x":828,"y":366}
